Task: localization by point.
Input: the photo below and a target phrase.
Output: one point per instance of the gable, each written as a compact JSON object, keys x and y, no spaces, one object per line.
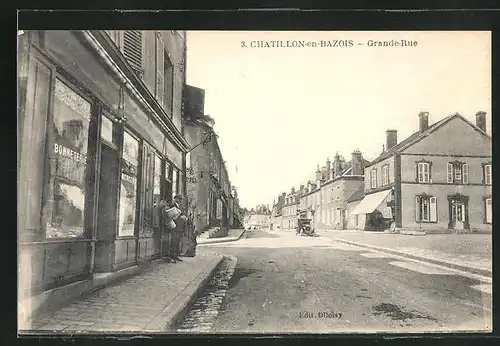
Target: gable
{"x":456,"y":137}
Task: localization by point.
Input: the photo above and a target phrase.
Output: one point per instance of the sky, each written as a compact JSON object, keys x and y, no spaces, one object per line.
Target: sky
{"x":279,"y":112}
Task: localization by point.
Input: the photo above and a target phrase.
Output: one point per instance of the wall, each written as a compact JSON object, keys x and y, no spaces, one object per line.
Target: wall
{"x":439,"y":167}
{"x":199,"y":184}
{"x":355,"y":221}
{"x":441,"y":192}
{"x":449,"y":140}
{"x":378,"y":166}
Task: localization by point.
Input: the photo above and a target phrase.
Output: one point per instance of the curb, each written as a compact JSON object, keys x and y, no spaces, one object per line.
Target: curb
{"x":472,"y":270}
{"x":222,"y":240}
{"x":171,"y":315}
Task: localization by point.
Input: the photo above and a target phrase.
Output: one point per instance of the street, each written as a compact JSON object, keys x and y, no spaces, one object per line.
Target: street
{"x":285,"y":283}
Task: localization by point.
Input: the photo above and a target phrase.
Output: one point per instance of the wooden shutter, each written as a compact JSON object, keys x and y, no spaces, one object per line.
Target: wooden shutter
{"x":488,"y":210}
{"x":160,"y":70}
{"x":417,"y":209}
{"x":449,"y":173}
{"x":465,"y":173}
{"x":132,"y":48}
{"x":433,"y":209}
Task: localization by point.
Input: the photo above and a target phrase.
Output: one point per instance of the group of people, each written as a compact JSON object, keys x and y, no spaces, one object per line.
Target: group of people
{"x":174,"y":228}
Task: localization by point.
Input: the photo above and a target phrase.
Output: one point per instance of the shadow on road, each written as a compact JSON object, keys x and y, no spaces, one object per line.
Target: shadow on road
{"x":240,"y":273}
{"x":260,"y":234}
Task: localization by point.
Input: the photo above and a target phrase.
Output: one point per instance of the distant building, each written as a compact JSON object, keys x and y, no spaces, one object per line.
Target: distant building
{"x":289,"y":210}
{"x":436,"y":180}
{"x":277,"y":213}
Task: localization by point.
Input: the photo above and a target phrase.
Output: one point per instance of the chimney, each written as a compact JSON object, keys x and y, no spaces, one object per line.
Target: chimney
{"x":293,"y":190}
{"x":328,"y":169}
{"x":391,"y":138}
{"x":357,"y":163}
{"x":324,"y":172}
{"x":423,"y":121}
{"x":318,"y":174}
{"x":481,"y":120}
{"x":301,"y":188}
{"x":337,"y":166}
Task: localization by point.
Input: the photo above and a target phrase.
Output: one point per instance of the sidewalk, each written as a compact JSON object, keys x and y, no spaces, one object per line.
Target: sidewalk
{"x":233,"y":235}
{"x":152,"y":301}
{"x":469,"y":252}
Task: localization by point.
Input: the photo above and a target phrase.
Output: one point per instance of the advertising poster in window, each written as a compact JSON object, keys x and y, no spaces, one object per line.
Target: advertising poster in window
{"x":65,"y":208}
{"x":128,"y":188}
{"x":156,"y":191}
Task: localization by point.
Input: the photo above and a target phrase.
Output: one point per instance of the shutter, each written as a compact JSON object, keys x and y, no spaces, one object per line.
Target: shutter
{"x":433,"y":209}
{"x":462,"y":206}
{"x":160,"y":70}
{"x":132,"y":48}
{"x":417,"y":209}
{"x":465,"y":173}
{"x":449,"y":173}
{"x":488,"y":210}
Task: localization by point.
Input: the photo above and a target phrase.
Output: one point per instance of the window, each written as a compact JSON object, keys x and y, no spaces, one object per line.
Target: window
{"x":488,"y":210}
{"x":169,"y":85}
{"x":110,"y":131}
{"x":457,"y":172}
{"x":373,"y":178}
{"x":156,"y":190}
{"x":175,"y":187}
{"x":385,"y":175}
{"x":423,"y":172}
{"x":132,"y":49}
{"x":64,"y":208}
{"x":426,"y":209}
{"x":188,"y":160}
{"x":160,"y":77}
{"x":128,"y":189}
{"x":487,"y":174}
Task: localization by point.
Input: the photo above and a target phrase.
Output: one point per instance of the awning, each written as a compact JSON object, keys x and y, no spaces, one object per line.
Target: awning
{"x":370,"y":202}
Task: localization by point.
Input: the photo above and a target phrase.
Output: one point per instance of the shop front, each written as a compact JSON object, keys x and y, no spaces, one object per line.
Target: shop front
{"x":93,"y":165}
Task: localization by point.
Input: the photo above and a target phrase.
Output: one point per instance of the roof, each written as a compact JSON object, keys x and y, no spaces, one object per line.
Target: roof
{"x":357,"y":195}
{"x":417,"y":136}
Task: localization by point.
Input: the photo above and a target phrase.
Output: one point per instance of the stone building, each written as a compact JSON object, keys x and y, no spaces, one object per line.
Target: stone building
{"x":209,"y":189}
{"x":436,"y":180}
{"x":289,"y":210}
{"x":100,"y":142}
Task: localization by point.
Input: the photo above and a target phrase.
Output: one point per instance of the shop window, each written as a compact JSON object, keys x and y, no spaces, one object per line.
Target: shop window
{"x":426,"y":209}
{"x":128,"y":189}
{"x":64,"y":203}
{"x":175,"y":183}
{"x":168,"y":173}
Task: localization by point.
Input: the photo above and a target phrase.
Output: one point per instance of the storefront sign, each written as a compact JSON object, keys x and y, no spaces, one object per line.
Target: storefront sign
{"x":70,"y":153}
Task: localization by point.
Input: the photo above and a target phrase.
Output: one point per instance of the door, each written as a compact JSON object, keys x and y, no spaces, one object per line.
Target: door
{"x":107,"y":208}
{"x":343,"y":219}
{"x":457,"y":214}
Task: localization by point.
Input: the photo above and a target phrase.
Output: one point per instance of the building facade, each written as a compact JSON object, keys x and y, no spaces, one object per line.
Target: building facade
{"x":289,"y":210}
{"x":438,"y":179}
{"x":209,"y":188}
{"x":100,"y":143}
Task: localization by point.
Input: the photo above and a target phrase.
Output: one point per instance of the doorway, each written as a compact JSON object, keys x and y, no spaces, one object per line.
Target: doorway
{"x":458,"y":212}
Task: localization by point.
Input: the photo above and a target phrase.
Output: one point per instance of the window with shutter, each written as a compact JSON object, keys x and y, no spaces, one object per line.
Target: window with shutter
{"x":449,"y":173}
{"x":169,"y":86}
{"x":417,"y":209}
{"x":488,"y":210}
{"x":487,"y":174}
{"x":423,"y":172}
{"x":433,"y":209}
{"x":132,"y":49}
{"x":160,"y":78}
{"x":465,"y":173}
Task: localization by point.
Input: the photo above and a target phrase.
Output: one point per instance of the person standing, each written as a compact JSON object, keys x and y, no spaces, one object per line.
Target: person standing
{"x":178,"y":231}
